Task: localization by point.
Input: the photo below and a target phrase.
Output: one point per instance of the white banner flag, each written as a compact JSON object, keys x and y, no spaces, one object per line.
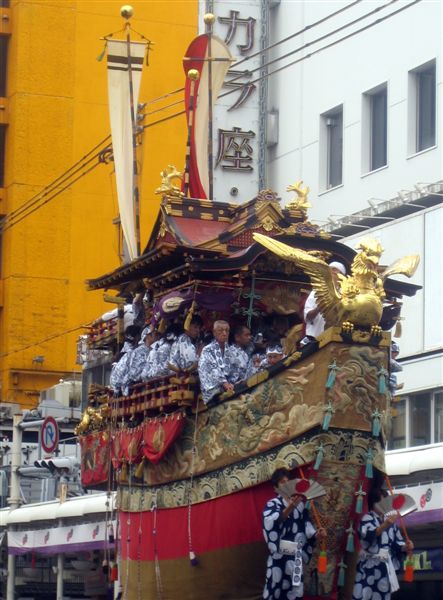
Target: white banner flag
{"x":121,"y":127}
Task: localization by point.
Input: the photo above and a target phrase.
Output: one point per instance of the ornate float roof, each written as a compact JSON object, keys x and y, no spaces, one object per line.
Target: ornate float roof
{"x":202,"y":239}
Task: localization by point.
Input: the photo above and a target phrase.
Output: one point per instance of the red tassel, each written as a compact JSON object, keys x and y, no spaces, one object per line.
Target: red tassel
{"x":33,"y":561}
{"x":114,"y":573}
{"x":322,"y":562}
{"x":409,"y":572}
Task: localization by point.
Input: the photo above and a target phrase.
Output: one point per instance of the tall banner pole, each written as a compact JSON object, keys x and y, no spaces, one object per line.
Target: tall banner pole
{"x":193,"y":76}
{"x":209,"y":20}
{"x":127,"y":14}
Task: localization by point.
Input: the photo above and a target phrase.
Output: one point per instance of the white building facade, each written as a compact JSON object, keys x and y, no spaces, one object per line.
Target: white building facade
{"x":360,"y":123}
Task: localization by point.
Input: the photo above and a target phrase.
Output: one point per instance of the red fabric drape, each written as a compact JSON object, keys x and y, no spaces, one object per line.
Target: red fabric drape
{"x":219,"y":523}
{"x":95,"y":457}
{"x":159,"y":434}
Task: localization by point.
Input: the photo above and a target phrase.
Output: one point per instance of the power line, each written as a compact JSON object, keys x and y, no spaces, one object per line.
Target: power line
{"x":307,"y":56}
{"x":32,"y":201}
{"x":40,"y":342}
{"x":59,"y":180}
{"x":308,"y":44}
{"x":288,"y":54}
{"x":264,"y":50}
{"x":182,"y":112}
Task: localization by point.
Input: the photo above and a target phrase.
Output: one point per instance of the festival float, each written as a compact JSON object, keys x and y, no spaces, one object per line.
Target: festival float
{"x":192,"y":479}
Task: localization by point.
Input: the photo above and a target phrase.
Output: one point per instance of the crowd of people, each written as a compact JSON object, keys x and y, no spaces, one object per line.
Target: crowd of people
{"x":222,"y":359}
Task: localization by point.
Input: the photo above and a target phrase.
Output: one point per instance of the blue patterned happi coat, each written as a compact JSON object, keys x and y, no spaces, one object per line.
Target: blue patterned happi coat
{"x":371,"y":580}
{"x":280,"y":567}
{"x":214,"y":367}
{"x":183,"y":353}
{"x":241,"y":366}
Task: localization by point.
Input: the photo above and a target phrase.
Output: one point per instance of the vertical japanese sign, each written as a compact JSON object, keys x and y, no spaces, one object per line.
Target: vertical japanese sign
{"x":240,"y":113}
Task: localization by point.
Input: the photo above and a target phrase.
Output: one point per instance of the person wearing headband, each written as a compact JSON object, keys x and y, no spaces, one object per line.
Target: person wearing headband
{"x":274,"y":353}
{"x":290,"y":537}
{"x":315,"y":323}
{"x":381,"y":554}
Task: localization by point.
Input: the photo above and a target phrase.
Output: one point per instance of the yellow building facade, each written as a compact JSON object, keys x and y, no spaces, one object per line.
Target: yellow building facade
{"x":60,"y":225}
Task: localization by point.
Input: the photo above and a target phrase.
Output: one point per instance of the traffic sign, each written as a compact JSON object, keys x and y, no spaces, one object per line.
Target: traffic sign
{"x":49,"y":435}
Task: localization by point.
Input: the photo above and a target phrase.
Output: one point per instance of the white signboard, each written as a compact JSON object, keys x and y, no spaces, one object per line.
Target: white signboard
{"x":428,"y":496}
{"x":72,"y":538}
{"x":238,"y":138}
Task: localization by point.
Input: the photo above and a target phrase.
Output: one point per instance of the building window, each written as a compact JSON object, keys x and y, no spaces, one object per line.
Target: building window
{"x":438,"y":425}
{"x":2,"y":153}
{"x":331,"y":144}
{"x":379,"y":129}
{"x":422,"y":107}
{"x":3,"y":63}
{"x":417,"y":420}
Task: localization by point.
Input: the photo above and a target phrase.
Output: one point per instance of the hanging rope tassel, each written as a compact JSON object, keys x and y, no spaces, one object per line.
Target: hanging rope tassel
{"x":322,"y":563}
{"x":409,"y":571}
{"x":369,"y":471}
{"x":350,"y":546}
{"x":341,"y":573}
{"x":382,"y":377}
{"x":319,"y":458}
{"x":376,"y":422}
{"x":360,"y":494}
{"x":189,"y":316}
{"x":114,"y":572}
{"x":123,"y":472}
{"x":332,"y":375}
{"x":192,"y":556}
{"x":140,"y":470}
{"x":329,"y":410}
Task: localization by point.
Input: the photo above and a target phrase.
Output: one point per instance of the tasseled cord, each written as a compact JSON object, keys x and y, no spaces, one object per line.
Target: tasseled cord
{"x":341,"y":573}
{"x":369,"y":472}
{"x":360,"y":494}
{"x":350,"y":546}
{"x":329,"y":410}
{"x":319,"y":458}
{"x":331,"y":375}
{"x":382,"y":376}
{"x":376,"y":423}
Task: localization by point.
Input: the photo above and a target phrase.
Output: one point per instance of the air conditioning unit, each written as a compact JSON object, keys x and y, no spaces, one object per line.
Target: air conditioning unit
{"x":8,"y":410}
{"x":67,"y":393}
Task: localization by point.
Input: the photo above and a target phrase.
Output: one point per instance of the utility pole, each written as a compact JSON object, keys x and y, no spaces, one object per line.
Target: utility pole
{"x":14,"y":499}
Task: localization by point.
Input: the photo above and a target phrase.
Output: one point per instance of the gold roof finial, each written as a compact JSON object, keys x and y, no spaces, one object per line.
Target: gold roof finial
{"x":167,"y":188}
{"x":300,"y":201}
